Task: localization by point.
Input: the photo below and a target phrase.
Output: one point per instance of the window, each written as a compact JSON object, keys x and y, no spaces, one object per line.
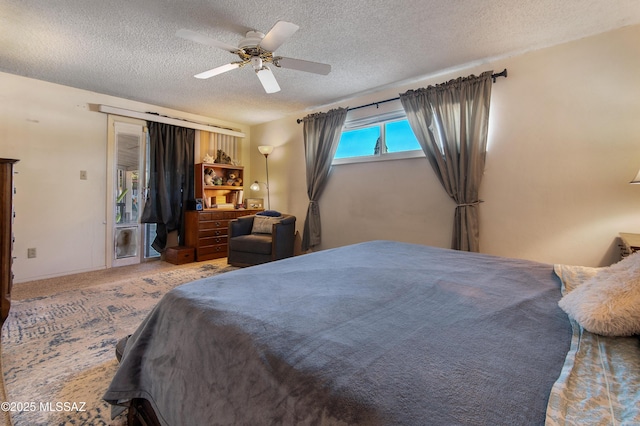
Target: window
{"x":382,"y":140}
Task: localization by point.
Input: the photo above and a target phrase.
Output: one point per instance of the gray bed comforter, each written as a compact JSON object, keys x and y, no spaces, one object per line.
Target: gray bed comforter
{"x":375,"y":333}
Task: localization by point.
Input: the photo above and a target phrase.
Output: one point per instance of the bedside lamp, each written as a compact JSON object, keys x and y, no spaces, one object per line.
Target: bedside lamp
{"x":264,"y":150}
{"x":637,"y":178}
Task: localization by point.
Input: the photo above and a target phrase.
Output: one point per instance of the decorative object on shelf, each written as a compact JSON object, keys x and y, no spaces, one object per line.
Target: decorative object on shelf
{"x":209,"y":176}
{"x":265,"y":150}
{"x":222,"y":158}
{"x":208,"y":158}
{"x":233,"y":178}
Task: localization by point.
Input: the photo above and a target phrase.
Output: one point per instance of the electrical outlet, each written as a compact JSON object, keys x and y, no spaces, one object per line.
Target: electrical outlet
{"x":31,"y":253}
{"x":83,"y":175}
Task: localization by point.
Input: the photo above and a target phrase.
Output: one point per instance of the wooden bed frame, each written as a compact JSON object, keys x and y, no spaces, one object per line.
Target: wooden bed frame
{"x":140,"y":413}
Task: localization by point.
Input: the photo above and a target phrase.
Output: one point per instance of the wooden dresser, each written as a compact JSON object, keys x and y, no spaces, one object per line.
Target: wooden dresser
{"x":630,"y":243}
{"x":6,"y":235}
{"x":206,"y":231}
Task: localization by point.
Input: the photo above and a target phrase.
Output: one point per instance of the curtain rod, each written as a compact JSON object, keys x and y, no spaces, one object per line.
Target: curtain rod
{"x":181,"y":122}
{"x":493,"y":76}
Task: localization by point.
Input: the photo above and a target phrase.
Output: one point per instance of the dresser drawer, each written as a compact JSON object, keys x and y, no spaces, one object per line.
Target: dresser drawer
{"x":212,"y":241}
{"x":207,"y":233}
{"x":205,"y":216}
{"x":214,"y":224}
{"x":212,"y":252}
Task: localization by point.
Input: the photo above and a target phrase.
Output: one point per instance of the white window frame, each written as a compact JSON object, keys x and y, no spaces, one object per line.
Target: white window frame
{"x":378,"y":116}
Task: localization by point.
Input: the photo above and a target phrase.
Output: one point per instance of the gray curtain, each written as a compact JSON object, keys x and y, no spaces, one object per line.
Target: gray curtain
{"x":170,"y":180}
{"x":321,"y":136}
{"x":450,"y":121}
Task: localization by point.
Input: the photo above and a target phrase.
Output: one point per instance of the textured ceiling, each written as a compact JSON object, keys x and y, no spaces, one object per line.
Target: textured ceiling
{"x":128,"y":48}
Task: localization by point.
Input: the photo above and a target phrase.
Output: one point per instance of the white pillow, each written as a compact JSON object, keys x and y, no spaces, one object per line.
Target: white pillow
{"x":609,"y":302}
{"x":263,"y":224}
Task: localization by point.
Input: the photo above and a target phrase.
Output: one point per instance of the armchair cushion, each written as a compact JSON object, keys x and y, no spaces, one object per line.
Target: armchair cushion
{"x":252,"y":243}
{"x":264,"y":224}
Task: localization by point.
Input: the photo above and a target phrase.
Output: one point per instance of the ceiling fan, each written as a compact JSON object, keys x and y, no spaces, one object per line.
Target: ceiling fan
{"x":257,"y":49}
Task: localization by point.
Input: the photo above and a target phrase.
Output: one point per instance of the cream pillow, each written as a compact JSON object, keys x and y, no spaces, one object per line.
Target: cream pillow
{"x":263,"y":224}
{"x":609,"y":302}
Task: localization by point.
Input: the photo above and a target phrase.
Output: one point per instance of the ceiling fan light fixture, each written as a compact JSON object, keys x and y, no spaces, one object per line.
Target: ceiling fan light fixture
{"x":256,"y":63}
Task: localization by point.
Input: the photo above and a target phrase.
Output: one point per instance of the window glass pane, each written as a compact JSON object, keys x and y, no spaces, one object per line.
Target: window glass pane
{"x":358,"y":143}
{"x":400,"y":137}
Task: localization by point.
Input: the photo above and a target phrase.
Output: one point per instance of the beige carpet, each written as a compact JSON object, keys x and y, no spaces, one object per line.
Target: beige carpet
{"x":58,"y":342}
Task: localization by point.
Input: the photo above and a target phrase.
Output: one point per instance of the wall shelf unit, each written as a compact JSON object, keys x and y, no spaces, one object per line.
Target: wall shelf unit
{"x":232,"y":194}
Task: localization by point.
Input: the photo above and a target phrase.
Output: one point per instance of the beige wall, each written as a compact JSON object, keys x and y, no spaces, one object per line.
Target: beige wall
{"x":54,"y":134}
{"x":564,"y":142}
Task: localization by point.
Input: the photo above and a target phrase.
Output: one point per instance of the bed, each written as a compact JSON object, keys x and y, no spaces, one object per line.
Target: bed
{"x":377,"y":333}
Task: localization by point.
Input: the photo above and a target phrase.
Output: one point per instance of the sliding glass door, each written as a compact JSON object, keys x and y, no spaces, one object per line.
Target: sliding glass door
{"x":127,"y":182}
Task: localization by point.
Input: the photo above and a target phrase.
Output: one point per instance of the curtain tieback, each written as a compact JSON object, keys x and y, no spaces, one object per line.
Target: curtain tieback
{"x":473,"y":203}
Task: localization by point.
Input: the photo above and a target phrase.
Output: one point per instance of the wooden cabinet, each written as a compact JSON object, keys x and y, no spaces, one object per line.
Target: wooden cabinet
{"x":206,"y":231}
{"x":630,"y":243}
{"x":6,"y":235}
{"x":216,"y":183}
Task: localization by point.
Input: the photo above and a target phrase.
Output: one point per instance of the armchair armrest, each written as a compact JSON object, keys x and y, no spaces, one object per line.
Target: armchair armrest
{"x":283,"y":238}
{"x":240,"y":226}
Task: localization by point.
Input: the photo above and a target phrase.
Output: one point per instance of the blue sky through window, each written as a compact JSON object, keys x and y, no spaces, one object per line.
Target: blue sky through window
{"x":357,"y":143}
{"x":362,"y":142}
{"x":400,"y":137}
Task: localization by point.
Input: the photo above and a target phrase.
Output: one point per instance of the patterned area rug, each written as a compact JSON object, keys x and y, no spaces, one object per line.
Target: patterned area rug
{"x":58,"y":351}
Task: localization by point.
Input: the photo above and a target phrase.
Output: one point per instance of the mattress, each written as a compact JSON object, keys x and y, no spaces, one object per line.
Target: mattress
{"x":377,"y":333}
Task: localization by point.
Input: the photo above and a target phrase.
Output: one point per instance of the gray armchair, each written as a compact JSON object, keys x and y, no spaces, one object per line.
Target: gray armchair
{"x":246,"y":248}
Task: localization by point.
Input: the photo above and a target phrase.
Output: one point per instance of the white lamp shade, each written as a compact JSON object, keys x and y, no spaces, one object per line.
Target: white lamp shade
{"x":255,"y":186}
{"x":265,"y":149}
{"x":637,"y":178}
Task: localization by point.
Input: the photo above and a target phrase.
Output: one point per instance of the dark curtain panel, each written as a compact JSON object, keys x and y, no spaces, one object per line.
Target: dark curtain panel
{"x":170,"y":180}
{"x":450,"y":121}
{"x":321,"y":136}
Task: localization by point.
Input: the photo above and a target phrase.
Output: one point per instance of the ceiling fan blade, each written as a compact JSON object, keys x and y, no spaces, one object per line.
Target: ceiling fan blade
{"x":277,"y":35}
{"x":300,"y":65}
{"x":268,"y":80}
{"x":203,"y":39}
{"x":219,"y":70}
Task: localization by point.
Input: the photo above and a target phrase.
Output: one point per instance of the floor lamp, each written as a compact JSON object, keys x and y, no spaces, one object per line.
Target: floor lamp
{"x":266,"y":150}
